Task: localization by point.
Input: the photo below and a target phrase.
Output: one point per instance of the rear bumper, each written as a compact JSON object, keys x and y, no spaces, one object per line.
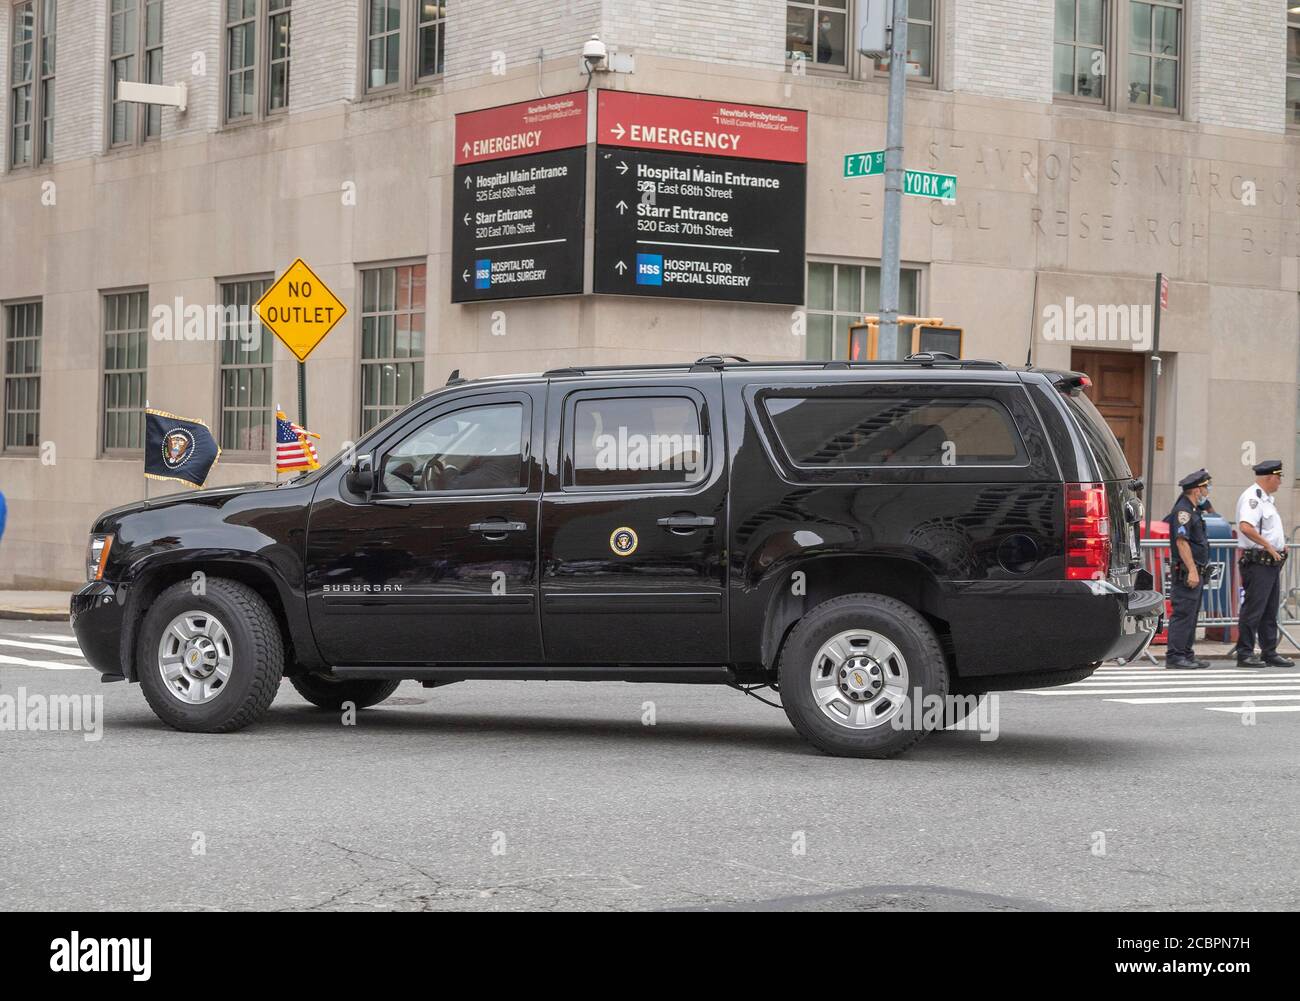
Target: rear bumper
{"x":97,"y":615}
{"x":1140,"y":623}
{"x":1035,"y":627}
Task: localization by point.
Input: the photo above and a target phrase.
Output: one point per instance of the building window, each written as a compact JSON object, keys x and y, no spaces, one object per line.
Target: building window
{"x":126,"y":363}
{"x":280,"y":17}
{"x":383,"y":44}
{"x":22,"y":373}
{"x":920,"y":42}
{"x":841,"y":294}
{"x":392,"y":340}
{"x":247,"y":410}
{"x":1293,"y":62}
{"x":1080,"y":49}
{"x":1155,"y":44}
{"x":136,"y":55}
{"x":253,"y":68}
{"x":432,"y":30}
{"x":31,"y":82}
{"x":816,"y":31}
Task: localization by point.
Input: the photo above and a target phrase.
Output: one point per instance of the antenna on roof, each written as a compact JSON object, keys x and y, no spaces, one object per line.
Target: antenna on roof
{"x":454,"y":379}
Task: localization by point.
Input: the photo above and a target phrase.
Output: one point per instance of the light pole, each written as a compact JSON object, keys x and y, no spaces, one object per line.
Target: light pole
{"x":891,"y":242}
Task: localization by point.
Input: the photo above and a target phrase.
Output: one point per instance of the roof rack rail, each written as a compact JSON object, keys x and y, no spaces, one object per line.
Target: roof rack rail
{"x":718,"y":363}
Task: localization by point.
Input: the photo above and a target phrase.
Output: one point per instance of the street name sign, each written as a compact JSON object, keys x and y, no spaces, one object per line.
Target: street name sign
{"x":864,"y":164}
{"x":519,"y":206}
{"x":925,"y":184}
{"x":699,"y":199}
{"x":300,"y":309}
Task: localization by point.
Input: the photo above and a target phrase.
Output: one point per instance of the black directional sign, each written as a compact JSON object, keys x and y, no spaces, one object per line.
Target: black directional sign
{"x":699,"y":227}
{"x":699,"y":199}
{"x":520,"y":199}
{"x":518,"y":226}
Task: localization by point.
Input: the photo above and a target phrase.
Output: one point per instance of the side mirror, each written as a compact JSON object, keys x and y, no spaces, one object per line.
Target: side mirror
{"x":360,"y":478}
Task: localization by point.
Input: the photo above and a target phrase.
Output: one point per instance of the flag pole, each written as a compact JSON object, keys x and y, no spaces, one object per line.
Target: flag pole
{"x":146,"y":445}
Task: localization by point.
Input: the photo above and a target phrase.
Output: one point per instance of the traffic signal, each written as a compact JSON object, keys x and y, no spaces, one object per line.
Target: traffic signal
{"x":927,"y":334}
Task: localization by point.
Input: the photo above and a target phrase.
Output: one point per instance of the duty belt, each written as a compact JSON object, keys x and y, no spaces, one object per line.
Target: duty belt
{"x":1262,"y":556}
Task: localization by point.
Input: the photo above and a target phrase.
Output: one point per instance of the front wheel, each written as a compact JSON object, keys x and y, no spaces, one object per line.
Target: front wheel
{"x":210,"y":662}
{"x":857,"y":673}
{"x":330,"y":693}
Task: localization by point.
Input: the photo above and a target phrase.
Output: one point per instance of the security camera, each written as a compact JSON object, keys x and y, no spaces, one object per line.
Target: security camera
{"x":594,"y":54}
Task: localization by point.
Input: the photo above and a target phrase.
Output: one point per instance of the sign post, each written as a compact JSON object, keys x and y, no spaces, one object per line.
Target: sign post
{"x":891,"y":242}
{"x":300,"y":309}
{"x":1153,"y":385}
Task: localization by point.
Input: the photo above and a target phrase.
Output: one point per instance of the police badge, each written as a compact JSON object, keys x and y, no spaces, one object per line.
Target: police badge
{"x":1184,"y":517}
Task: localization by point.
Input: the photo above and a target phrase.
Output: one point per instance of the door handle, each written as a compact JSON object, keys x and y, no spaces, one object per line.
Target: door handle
{"x":497,"y":529}
{"x":684,"y":524}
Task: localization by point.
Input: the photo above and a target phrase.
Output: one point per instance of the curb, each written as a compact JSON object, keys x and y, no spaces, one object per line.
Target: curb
{"x":33,"y":614}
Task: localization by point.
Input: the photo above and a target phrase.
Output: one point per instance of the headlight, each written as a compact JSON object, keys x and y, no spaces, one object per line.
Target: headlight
{"x":97,"y":556}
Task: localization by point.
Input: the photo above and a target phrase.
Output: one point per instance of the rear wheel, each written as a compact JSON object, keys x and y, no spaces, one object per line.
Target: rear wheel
{"x":211,"y":662}
{"x":330,"y":693}
{"x":856,"y":673}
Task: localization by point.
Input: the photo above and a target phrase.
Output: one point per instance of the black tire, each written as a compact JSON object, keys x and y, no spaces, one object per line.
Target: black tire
{"x":257,"y":657}
{"x":896,"y":622}
{"x":330,"y":693}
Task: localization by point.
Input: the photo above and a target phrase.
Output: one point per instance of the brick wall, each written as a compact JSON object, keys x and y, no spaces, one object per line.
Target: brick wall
{"x":744,"y":32}
{"x":1001,"y":48}
{"x":1237,"y":71}
{"x":483,"y":33}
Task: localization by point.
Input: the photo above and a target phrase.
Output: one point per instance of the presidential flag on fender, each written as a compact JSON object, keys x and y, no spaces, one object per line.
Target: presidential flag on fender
{"x":177,"y":448}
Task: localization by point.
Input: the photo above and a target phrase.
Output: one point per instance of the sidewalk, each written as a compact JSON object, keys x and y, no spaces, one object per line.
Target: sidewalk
{"x":39,"y":606}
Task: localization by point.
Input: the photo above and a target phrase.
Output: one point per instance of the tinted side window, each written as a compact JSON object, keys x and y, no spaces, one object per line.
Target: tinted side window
{"x":895,"y":431}
{"x":1105,"y":447}
{"x":637,"y":441}
{"x":478,"y":448}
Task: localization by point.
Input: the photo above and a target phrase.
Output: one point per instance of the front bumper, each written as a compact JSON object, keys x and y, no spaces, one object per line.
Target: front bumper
{"x":98,"y":612}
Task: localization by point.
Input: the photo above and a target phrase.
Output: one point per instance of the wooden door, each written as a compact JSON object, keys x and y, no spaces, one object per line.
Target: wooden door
{"x":1119,"y":391}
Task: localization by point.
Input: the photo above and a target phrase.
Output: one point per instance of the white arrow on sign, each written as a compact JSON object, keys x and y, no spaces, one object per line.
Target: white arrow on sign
{"x":622,"y":167}
{"x":620,"y":267}
{"x":466,"y":148}
{"x":466,"y":218}
{"x":618,"y":131}
{"x":621,"y":206}
{"x":464,"y":276}
{"x":468,"y":182}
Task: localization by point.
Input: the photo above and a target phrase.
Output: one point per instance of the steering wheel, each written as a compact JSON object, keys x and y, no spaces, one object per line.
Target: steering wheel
{"x":435,"y":473}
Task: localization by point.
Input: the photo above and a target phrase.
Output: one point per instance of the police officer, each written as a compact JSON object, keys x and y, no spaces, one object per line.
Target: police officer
{"x":1189,"y":555}
{"x":1261,"y":546}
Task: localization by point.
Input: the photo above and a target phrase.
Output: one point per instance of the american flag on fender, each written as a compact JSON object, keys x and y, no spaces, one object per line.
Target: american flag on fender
{"x":292,"y":449}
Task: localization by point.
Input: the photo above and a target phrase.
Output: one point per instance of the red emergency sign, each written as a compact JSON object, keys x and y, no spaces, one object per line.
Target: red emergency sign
{"x":711,"y":128}
{"x":548,"y":123}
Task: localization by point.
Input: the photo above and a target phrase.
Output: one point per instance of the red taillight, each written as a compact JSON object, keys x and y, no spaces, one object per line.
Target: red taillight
{"x":1087,"y":532}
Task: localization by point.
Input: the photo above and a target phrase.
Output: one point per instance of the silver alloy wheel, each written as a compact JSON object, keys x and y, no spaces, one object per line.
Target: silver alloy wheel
{"x":195,"y":656}
{"x":859,"y":679}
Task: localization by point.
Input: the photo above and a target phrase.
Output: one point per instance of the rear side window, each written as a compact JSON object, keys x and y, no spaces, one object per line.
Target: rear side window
{"x":637,"y":441}
{"x":895,"y":431}
{"x":1106,"y":449}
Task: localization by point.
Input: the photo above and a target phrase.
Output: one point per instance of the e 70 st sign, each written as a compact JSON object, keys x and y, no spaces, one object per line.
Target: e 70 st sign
{"x":921,"y":183}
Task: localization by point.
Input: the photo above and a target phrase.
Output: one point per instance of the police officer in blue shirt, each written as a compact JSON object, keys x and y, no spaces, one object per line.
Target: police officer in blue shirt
{"x":1189,"y":554}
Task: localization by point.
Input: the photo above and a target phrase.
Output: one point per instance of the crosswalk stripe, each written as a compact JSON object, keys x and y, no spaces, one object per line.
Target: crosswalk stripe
{"x":47,"y":647}
{"x":1209,"y":698}
{"x":1253,"y":709}
{"x":1070,"y":690}
{"x":51,"y":665}
{"x":1189,"y":679}
{"x":57,"y":637}
{"x":1206,"y":673}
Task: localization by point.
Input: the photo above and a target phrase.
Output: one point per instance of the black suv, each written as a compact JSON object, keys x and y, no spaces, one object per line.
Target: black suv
{"x":852,"y":535}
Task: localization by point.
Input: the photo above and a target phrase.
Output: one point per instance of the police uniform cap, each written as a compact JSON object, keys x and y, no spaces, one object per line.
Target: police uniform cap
{"x":1195,"y":479}
{"x":1268,"y":466}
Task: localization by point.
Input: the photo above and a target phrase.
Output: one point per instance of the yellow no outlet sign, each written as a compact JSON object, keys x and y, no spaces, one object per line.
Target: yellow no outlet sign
{"x":300,"y":309}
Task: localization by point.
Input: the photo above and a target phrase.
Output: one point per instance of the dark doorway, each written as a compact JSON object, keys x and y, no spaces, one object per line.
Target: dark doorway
{"x":1118,"y":390}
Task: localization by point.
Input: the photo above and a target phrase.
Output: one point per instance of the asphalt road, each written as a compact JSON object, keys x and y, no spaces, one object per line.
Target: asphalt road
{"x":556,"y":795}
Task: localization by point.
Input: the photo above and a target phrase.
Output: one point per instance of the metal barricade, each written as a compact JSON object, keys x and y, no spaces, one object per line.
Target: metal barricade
{"x":1221,"y":603}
